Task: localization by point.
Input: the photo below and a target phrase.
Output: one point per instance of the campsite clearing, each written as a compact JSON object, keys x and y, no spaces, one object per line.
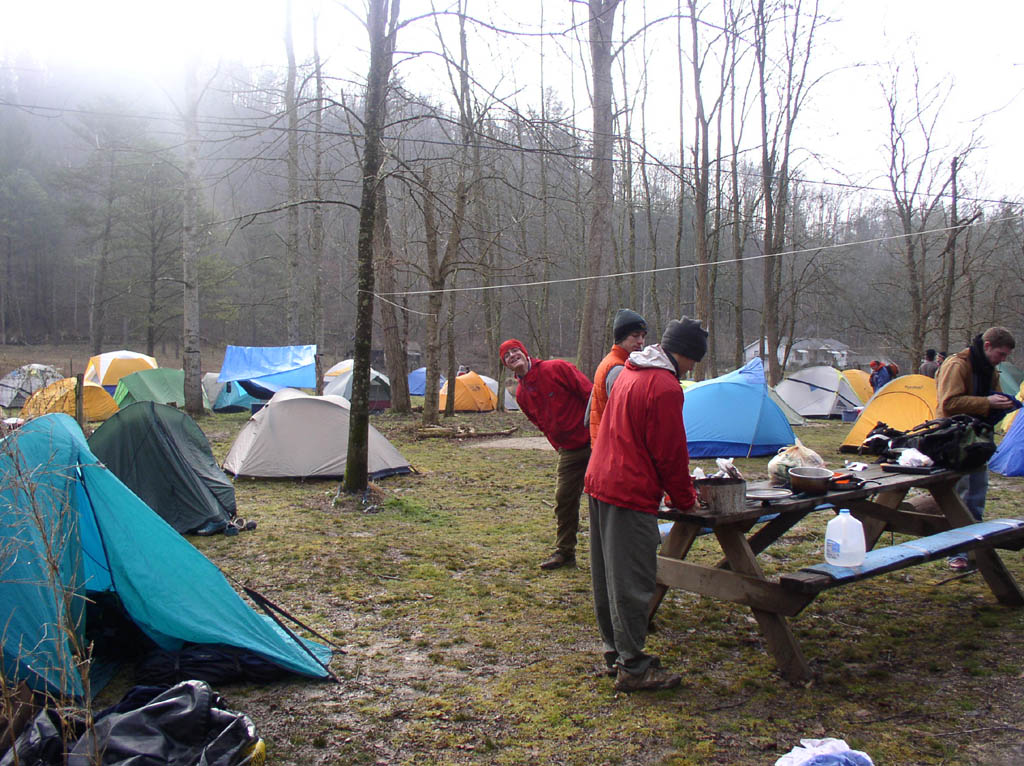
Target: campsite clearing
{"x":461,"y":651}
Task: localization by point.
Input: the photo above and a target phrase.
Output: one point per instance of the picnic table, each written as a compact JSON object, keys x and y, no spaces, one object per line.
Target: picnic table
{"x":743,"y":532}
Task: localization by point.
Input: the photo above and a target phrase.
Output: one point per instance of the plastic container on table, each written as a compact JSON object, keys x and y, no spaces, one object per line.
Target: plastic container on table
{"x":844,"y":541}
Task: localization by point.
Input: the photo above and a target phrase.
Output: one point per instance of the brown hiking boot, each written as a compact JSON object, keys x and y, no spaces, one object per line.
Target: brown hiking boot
{"x":558,"y":559}
{"x":653,"y":678}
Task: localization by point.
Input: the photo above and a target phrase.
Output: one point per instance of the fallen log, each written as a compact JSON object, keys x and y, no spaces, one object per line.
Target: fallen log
{"x":459,"y":432}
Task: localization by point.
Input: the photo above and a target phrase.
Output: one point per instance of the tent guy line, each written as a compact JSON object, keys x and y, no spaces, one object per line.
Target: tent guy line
{"x":620,"y":274}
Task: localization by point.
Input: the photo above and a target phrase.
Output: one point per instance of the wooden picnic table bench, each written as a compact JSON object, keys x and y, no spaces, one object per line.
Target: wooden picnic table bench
{"x":744,"y":532}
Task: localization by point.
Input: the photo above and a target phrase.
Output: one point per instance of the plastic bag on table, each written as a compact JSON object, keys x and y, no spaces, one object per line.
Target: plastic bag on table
{"x":792,"y":457}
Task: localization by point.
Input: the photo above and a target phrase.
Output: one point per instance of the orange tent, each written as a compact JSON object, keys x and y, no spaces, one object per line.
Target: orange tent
{"x":59,"y":396}
{"x":471,"y":394}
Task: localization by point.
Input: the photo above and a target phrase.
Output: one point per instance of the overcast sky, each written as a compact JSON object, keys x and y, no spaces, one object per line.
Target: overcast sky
{"x":975,"y":47}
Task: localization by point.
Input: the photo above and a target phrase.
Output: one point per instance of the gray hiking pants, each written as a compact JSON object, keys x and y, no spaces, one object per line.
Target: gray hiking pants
{"x":623,"y":567}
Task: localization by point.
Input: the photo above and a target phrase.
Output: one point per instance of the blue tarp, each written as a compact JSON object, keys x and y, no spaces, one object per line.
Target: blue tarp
{"x":733,"y":416}
{"x":1009,"y":457}
{"x":58,"y":504}
{"x":418,"y":382}
{"x":270,"y":367}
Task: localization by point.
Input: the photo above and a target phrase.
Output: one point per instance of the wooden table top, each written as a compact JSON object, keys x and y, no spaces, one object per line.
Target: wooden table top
{"x":878,"y":480}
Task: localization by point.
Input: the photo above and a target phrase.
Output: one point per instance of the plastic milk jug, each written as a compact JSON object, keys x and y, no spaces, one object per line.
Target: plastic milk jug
{"x":844,"y":541}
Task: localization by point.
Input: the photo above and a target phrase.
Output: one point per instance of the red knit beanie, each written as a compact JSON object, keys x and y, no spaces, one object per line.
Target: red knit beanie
{"x":510,"y":344}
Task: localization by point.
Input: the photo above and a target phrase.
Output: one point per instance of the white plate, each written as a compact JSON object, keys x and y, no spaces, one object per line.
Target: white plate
{"x":771,"y":493}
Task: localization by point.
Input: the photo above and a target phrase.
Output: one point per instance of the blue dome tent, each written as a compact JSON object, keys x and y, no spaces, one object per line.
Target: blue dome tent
{"x":734,"y":416}
{"x":418,"y":382}
{"x":1008,"y":459}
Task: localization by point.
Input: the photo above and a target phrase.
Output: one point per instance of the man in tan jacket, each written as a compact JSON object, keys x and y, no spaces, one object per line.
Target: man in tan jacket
{"x":968,"y":384}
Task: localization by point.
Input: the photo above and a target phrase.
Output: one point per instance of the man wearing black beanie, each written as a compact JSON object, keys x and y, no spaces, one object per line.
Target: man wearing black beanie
{"x":630,"y":331}
{"x":640,"y":455}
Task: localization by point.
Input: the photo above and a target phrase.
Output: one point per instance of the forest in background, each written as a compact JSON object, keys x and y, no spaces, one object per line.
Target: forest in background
{"x":482,"y":187}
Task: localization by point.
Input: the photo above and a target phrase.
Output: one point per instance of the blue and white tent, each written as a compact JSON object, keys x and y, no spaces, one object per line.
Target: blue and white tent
{"x":1009,"y":457}
{"x":734,"y":416}
{"x":68,"y":528}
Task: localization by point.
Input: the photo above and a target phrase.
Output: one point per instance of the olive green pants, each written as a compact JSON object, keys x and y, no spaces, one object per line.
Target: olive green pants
{"x":572,"y":467}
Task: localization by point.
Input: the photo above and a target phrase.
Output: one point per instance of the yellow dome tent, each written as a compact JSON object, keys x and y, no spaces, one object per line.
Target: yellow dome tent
{"x":860,"y":382}
{"x":902,"y":403}
{"x":471,"y":394}
{"x":108,"y":368}
{"x":59,"y":396}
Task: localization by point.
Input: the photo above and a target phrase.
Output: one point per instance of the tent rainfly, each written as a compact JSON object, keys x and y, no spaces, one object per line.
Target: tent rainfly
{"x":734,"y":416}
{"x":338,"y":382}
{"x":164,"y":385}
{"x":299,"y":435}
{"x":89,"y":534}
{"x":471,"y":394}
{"x":818,"y":392}
{"x":860,"y":381}
{"x":227,"y":397}
{"x":108,"y":368}
{"x":902,"y":403}
{"x":510,"y":400}
{"x":418,"y":381}
{"x":163,"y":457}
{"x":19,"y":384}
{"x":1009,"y":457}
{"x":59,"y":396}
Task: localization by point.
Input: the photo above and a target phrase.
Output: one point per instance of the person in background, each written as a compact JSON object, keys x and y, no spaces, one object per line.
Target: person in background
{"x":968,"y":384}
{"x":880,"y":375}
{"x":640,"y":455}
{"x":629,"y":331}
{"x":929,"y":366}
{"x":553,"y":394}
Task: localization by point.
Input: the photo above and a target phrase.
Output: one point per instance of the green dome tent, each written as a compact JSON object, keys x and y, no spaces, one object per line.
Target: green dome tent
{"x":163,"y":457}
{"x":163,"y":384}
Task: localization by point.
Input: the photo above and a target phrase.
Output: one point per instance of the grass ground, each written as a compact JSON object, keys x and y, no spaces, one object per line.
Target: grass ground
{"x":459,"y":650}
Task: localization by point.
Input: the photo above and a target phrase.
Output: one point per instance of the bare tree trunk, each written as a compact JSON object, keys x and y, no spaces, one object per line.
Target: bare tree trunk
{"x":394,"y":341}
{"x":701,"y":181}
{"x":292,"y":214}
{"x":317,"y":224}
{"x":602,"y":18}
{"x":382,"y":46}
{"x":190,"y":248}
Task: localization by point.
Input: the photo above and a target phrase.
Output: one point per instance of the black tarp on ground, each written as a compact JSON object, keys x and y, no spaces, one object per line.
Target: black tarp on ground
{"x":164,"y":458}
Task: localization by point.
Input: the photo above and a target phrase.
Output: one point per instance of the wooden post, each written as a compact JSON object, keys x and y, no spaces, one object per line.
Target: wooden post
{"x":79,"y":395}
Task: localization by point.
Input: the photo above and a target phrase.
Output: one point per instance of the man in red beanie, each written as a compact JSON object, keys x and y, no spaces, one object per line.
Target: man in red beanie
{"x":553,"y":394}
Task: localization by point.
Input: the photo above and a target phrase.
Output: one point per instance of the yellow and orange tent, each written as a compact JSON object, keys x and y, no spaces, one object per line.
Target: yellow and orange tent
{"x":471,"y":394}
{"x":108,"y":368}
{"x":902,"y":403}
{"x":59,"y":396}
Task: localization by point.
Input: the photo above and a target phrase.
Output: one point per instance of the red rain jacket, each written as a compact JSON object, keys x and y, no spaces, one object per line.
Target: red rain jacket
{"x":554,"y":396}
{"x":641,"y":452}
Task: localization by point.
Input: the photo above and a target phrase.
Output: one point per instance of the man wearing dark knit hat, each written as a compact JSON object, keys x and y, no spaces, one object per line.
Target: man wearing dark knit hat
{"x":553,"y":394}
{"x":640,"y":455}
{"x":629,"y":331}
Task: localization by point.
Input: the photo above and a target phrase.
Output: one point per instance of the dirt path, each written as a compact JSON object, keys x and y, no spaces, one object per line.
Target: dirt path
{"x":522,"y":442}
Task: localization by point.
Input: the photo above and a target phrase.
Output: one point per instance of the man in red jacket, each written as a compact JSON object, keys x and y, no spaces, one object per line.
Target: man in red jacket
{"x":629,"y":331}
{"x":553,"y":394}
{"x":639,"y":456}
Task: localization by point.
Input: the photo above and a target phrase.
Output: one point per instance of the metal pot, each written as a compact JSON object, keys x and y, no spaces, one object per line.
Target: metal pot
{"x":813,"y":481}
